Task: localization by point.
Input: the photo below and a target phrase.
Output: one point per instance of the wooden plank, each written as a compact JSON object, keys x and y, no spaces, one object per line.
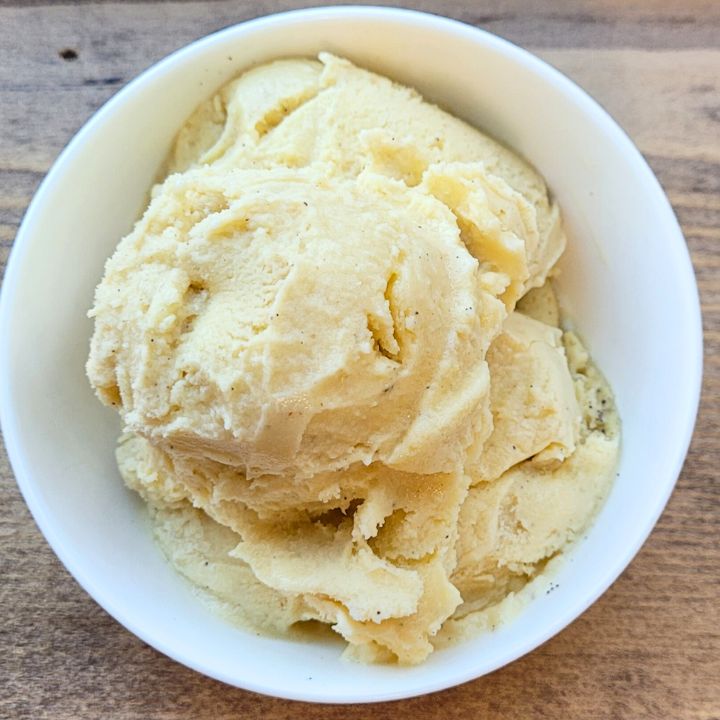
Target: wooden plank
{"x":584,"y":23}
{"x":650,"y":647}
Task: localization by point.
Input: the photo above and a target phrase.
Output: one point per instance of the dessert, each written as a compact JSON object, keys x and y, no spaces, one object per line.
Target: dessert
{"x":334,"y":344}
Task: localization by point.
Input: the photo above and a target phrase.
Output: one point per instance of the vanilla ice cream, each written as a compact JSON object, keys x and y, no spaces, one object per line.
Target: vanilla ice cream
{"x":331,"y":403}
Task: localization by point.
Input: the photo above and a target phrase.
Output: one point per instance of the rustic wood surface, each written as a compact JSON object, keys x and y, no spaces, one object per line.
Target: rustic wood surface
{"x":650,"y":648}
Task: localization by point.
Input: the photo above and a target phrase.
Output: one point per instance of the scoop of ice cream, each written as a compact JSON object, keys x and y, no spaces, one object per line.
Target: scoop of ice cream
{"x":343,"y":290}
{"x":510,"y":528}
{"x":534,"y":408}
{"x":367,"y":549}
{"x":296,"y":113}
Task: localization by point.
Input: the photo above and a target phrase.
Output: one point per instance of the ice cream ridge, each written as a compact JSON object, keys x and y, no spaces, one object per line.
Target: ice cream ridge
{"x":335,"y":349}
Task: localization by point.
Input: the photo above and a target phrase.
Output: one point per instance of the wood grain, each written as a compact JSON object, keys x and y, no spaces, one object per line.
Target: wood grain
{"x":650,"y":647}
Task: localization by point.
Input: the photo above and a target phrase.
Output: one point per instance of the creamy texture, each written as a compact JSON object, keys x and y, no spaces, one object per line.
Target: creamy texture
{"x":330,"y":402}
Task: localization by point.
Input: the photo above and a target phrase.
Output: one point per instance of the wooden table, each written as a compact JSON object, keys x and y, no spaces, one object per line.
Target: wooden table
{"x":650,"y":647}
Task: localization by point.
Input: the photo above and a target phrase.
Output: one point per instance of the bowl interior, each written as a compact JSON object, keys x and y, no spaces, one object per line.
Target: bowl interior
{"x":626,"y":284}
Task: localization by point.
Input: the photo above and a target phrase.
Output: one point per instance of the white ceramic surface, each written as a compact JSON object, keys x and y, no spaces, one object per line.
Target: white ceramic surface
{"x":627,"y":282}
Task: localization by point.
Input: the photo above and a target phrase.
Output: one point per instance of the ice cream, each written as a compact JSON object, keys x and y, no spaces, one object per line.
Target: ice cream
{"x":331,"y":403}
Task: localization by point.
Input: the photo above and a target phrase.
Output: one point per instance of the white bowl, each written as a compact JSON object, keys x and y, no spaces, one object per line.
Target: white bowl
{"x":627,"y":281}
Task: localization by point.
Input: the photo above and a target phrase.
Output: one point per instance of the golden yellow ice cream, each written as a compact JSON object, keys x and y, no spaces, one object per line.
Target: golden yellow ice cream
{"x":330,"y":402}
